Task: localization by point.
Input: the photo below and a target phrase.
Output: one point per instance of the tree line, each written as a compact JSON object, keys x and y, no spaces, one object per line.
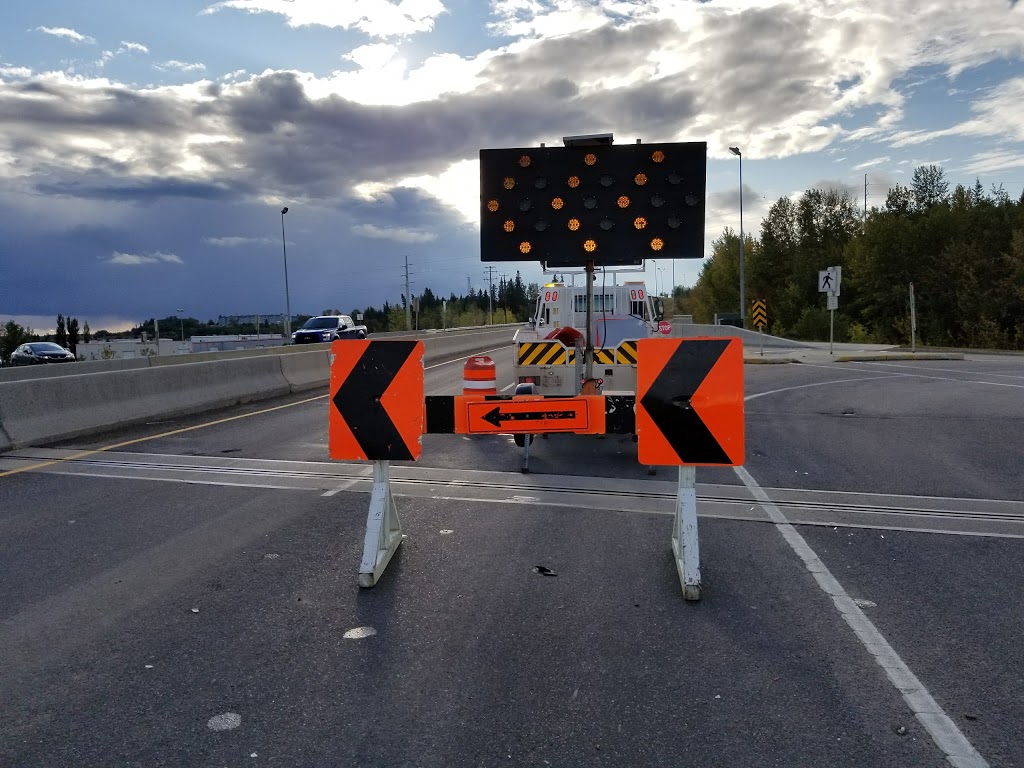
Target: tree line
{"x":962,"y":250}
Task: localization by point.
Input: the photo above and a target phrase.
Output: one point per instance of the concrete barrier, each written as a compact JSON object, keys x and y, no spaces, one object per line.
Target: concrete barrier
{"x":62,"y":407}
{"x":46,"y":409}
{"x":23,"y":372}
{"x":306,"y":370}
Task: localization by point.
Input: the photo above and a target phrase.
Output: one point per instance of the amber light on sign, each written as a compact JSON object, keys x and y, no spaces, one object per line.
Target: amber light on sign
{"x":492,"y":205}
{"x":639,"y":222}
{"x":623,"y":202}
{"x":524,"y":161}
{"x":640,"y":179}
{"x":574,"y":181}
{"x":525,"y":247}
{"x":557,"y":203}
{"x":510,"y":225}
{"x":589,"y":246}
{"x":657,"y":244}
{"x":657,"y":156}
{"x":574,"y":224}
{"x":590,"y":158}
{"x":509,"y":182}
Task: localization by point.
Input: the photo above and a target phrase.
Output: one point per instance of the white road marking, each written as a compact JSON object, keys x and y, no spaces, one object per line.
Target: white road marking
{"x":822,"y":384}
{"x":909,"y":375}
{"x":945,"y":370}
{"x":359,"y":633}
{"x":363,"y":475}
{"x":226,"y":722}
{"x":506,"y":389}
{"x":940,"y":727}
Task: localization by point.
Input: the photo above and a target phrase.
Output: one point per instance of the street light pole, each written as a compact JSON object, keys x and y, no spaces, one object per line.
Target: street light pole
{"x":287,"y":296}
{"x":182,"y":319}
{"x":743,"y":298}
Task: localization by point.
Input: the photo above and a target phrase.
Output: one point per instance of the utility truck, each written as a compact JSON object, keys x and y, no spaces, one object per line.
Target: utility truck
{"x":550,"y":355}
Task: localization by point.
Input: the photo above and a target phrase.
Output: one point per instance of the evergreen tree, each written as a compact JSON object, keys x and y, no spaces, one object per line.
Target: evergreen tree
{"x":62,"y":332}
{"x":72,"y":325}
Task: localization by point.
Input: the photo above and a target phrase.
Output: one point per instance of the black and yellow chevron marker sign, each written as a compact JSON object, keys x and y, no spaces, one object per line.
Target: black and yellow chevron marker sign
{"x":760,"y":313}
{"x":541,"y":353}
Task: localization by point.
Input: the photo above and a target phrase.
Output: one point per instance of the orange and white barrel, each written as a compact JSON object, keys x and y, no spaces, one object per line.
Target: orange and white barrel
{"x":479,"y":376}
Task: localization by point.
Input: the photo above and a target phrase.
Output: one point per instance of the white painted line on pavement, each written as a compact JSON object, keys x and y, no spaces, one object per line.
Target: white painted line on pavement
{"x":947,"y":737}
{"x":909,"y":375}
{"x":944,"y":370}
{"x":822,"y":383}
{"x":364,"y":474}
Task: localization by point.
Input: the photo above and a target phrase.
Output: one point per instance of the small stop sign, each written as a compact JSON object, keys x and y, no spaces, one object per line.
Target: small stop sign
{"x":665,"y":327}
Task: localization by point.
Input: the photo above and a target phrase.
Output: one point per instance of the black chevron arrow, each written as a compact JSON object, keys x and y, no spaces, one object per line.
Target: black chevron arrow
{"x":497,"y":418}
{"x":358,"y":400}
{"x":668,"y":402}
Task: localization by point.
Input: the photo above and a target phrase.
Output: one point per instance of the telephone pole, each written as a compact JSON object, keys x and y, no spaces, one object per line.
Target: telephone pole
{"x":408,"y":297}
{"x":490,"y":292}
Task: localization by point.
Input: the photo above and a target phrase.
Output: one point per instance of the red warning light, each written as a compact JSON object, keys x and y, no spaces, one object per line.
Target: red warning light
{"x":640,"y":179}
{"x":589,"y":246}
{"x":510,"y":225}
{"x":525,"y":247}
{"x":492,"y":205}
{"x":557,"y":203}
{"x":590,"y":158}
{"x":639,"y":222}
{"x":657,"y":244}
{"x":574,"y":181}
{"x":657,"y":156}
{"x":574,"y":224}
{"x":623,"y":202}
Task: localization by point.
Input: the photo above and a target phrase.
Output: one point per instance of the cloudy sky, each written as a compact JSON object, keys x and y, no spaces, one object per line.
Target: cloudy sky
{"x":146,"y":149}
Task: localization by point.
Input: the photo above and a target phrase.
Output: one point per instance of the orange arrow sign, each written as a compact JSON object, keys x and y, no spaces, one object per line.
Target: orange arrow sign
{"x":689,"y":401}
{"x":532,"y":415}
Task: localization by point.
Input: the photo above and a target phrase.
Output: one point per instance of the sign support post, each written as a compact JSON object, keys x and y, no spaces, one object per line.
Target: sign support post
{"x":383,"y":528}
{"x":685,"y":543}
{"x":913,"y":321}
{"x":831,"y":326}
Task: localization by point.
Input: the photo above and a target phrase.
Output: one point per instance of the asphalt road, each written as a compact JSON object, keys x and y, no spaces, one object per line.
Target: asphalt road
{"x":183,"y":600}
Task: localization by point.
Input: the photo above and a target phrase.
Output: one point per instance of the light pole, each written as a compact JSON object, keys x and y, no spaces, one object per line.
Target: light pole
{"x":287,"y":297}
{"x":182,"y":319}
{"x":655,"y":263}
{"x":662,"y":271}
{"x":743,"y":298}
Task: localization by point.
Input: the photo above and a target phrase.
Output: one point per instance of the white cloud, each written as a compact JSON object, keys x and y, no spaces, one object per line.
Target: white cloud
{"x":182,"y":66}
{"x":871,"y":163}
{"x":134,"y":260}
{"x":398,"y":234}
{"x":69,"y":34}
{"x":376,"y":18}
{"x":135,"y":47}
{"x":234,"y":242}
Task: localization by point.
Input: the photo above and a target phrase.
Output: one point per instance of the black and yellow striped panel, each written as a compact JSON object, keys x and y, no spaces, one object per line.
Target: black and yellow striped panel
{"x":541,"y":353}
{"x":601,"y":356}
{"x":626,"y":353}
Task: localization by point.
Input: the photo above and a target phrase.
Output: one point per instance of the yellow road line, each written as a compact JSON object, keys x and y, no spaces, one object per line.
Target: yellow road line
{"x":94,"y":451}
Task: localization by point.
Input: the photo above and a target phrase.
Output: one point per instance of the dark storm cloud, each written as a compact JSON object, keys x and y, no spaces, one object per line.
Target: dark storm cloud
{"x":101,"y":187}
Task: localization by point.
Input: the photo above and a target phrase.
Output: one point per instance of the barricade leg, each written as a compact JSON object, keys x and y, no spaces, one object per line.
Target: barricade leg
{"x":383,"y":528}
{"x":685,"y":545}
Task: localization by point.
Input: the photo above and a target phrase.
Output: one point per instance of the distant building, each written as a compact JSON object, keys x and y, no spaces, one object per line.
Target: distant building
{"x":275,"y":319}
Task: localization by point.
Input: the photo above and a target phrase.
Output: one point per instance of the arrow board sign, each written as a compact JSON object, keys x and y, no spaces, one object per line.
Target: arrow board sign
{"x":376,"y":411}
{"x":527,"y":416}
{"x":689,"y":402}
